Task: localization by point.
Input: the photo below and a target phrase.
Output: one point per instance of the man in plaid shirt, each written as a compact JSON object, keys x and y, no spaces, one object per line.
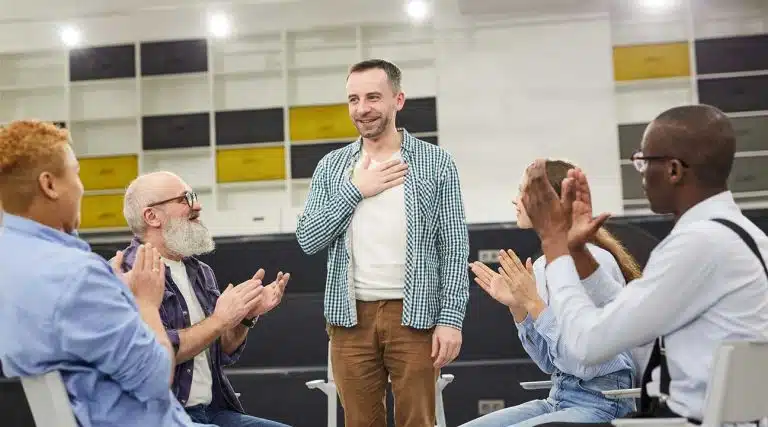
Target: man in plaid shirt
{"x":388,"y":208}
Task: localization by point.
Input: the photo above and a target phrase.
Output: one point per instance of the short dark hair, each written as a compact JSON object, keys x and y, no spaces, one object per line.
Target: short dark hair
{"x":394,"y":75}
{"x":703,"y":136}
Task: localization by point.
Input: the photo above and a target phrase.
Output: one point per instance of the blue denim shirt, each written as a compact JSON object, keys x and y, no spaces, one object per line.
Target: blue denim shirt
{"x":63,"y":309}
{"x":175,"y":317}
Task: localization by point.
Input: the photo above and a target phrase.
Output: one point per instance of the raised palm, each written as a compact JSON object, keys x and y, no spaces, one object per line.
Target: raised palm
{"x":577,"y":200}
{"x":493,"y":283}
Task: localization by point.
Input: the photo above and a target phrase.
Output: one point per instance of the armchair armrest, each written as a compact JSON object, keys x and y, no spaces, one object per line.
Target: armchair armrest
{"x":627,"y":393}
{"x":536,"y":385}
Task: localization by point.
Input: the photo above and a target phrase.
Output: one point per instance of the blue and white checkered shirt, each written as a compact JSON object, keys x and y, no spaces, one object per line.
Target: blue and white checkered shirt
{"x":436,"y":275}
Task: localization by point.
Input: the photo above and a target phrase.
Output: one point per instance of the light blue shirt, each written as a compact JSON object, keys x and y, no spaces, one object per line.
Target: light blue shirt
{"x":702,"y":286}
{"x":63,"y":309}
{"x":541,"y":338}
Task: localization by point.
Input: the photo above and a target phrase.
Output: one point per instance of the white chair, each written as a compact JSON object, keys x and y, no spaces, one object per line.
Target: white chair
{"x":739,"y":372}
{"x":629,"y":393}
{"x":329,"y":388}
{"x":48,"y":400}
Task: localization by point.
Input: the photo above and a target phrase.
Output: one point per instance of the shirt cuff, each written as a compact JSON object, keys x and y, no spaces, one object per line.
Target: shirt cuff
{"x":545,"y":324}
{"x":451,"y":317}
{"x":561,"y":273}
{"x":526,"y":323}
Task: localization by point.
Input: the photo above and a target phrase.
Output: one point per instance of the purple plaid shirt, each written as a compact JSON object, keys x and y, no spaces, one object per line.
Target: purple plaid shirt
{"x":175,"y":316}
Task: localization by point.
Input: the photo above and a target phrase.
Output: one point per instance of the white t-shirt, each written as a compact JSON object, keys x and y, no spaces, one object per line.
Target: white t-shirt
{"x":378,"y":233}
{"x":201,"y":391}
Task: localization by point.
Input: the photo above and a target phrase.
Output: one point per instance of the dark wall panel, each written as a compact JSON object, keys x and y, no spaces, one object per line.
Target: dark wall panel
{"x":174,"y":57}
{"x":418,"y":115}
{"x":751,"y":133}
{"x":249,"y":126}
{"x":176,"y":131}
{"x":732,"y":54}
{"x":631,"y":183}
{"x":630,"y":137}
{"x":737,"y":94}
{"x":304,"y":157}
{"x":103,"y":62}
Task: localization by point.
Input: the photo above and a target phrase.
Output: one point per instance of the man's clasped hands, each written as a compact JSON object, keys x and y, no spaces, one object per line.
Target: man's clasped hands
{"x":563,"y":223}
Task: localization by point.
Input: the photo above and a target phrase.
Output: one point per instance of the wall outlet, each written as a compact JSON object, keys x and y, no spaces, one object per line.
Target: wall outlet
{"x":488,"y":256}
{"x":486,"y":406}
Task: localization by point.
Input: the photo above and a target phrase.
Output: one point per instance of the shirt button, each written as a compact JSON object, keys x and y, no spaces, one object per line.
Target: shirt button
{"x":184,"y":312}
{"x":189,"y":371}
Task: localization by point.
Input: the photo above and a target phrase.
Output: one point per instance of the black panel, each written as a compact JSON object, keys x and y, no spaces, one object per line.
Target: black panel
{"x":418,"y":115}
{"x":249,"y":126}
{"x":105,"y":62}
{"x":174,"y":57}
{"x":751,"y":133}
{"x":176,"y":131}
{"x":749,"y":174}
{"x":630,"y":137}
{"x":732,"y":54}
{"x":735,"y":94}
{"x":430,"y":139}
{"x":631,"y":183}
{"x":13,"y":405}
{"x":304,"y":157}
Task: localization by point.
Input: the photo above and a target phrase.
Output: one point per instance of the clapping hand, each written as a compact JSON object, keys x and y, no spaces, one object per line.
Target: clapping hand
{"x":272,"y":295}
{"x":147,"y":277}
{"x":579,"y":204}
{"x":549,"y":217}
{"x":493,"y":283}
{"x":520,"y":281}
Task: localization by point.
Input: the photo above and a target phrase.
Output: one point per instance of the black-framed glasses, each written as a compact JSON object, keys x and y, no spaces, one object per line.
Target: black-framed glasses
{"x":189,"y":197}
{"x":641,"y":162}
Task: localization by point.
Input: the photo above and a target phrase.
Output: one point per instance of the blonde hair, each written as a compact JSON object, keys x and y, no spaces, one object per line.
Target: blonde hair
{"x":557,"y":171}
{"x":27,"y":149}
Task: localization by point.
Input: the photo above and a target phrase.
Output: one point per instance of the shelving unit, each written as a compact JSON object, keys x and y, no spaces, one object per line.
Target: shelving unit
{"x":719,"y":61}
{"x":243,"y":120}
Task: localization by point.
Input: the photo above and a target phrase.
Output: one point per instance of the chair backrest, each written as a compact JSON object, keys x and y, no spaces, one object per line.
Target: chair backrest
{"x":48,"y":400}
{"x":739,"y":373}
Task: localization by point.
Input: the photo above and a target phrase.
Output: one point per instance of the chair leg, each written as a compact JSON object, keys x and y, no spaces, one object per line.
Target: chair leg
{"x":442,"y":381}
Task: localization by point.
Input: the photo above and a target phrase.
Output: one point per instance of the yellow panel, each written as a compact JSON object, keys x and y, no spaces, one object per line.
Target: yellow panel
{"x":102,"y":211}
{"x":321,"y":122}
{"x":108,"y":173}
{"x":651,"y":61}
{"x":250,"y":164}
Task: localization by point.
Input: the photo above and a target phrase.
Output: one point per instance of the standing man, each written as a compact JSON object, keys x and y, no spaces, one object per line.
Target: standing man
{"x":389,"y":209}
{"x":63,"y":308}
{"x":207,"y":329}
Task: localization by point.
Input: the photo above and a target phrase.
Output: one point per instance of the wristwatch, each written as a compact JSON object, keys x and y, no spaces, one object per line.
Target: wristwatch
{"x":250,"y":323}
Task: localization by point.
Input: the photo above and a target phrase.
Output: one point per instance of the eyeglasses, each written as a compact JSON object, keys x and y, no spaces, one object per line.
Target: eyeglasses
{"x":641,"y":162}
{"x":189,"y":197}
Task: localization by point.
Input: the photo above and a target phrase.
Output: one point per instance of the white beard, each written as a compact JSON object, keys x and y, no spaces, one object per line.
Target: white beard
{"x":187,"y":238}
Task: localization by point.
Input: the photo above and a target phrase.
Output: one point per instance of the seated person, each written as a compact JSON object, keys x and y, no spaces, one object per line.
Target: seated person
{"x":575,"y":393}
{"x":704,"y":284}
{"x":63,"y":307}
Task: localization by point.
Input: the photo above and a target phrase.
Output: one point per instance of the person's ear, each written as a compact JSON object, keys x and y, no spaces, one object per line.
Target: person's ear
{"x":151,"y":218}
{"x":675,"y":171}
{"x":47,"y":183}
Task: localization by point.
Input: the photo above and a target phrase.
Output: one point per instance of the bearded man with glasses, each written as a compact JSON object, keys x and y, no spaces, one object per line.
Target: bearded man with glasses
{"x":207,"y":328}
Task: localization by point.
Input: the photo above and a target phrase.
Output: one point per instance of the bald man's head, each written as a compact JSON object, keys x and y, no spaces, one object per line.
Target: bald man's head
{"x":702,"y":136}
{"x":145,"y":190}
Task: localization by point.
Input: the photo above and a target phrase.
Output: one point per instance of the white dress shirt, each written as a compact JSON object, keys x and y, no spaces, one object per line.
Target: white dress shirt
{"x":702,"y":285}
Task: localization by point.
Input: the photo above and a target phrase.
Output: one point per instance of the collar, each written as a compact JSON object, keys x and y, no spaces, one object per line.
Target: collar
{"x":407,"y":145}
{"x":35,"y":230}
{"x":709,"y":208}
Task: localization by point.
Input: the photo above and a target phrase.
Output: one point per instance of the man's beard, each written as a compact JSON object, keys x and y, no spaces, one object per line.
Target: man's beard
{"x":373,"y":132}
{"x":187,"y":238}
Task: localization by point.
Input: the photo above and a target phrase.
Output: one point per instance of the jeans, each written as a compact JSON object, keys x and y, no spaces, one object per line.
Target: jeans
{"x":207,"y":416}
{"x":571,"y":399}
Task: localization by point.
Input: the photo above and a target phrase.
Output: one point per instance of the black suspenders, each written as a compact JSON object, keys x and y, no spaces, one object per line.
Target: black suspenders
{"x":658,"y":358}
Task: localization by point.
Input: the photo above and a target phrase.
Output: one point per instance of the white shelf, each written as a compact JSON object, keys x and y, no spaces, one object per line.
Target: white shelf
{"x":41,"y":103}
{"x":33,"y":69}
{"x":176,"y":94}
{"x":103,"y":100}
{"x":106,"y":137}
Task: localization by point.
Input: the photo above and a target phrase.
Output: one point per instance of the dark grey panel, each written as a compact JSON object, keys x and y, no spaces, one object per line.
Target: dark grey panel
{"x":751,"y":133}
{"x":735,"y":94}
{"x":732,"y":54}
{"x":13,"y":405}
{"x":304,"y":157}
{"x":104,"y":62}
{"x":631,"y":183}
{"x":418,"y":115}
{"x":174,"y":57}
{"x":630,"y":137}
{"x":249,"y":126}
{"x":176,"y":131}
{"x":749,"y":174}
{"x":430,"y":139}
